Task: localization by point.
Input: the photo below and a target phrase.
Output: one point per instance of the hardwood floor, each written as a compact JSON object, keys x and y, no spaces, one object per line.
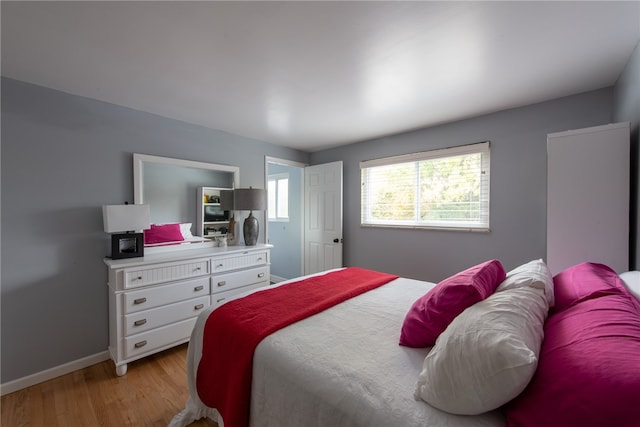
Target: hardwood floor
{"x":150,"y":394}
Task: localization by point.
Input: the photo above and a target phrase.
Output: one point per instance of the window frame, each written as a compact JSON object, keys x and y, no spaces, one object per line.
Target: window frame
{"x":480,"y":225}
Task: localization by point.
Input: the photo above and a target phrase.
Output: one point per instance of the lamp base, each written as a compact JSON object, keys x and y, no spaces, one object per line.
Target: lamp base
{"x":250,"y":230}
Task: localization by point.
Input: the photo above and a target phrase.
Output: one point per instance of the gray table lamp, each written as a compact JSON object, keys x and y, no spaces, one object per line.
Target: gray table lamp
{"x":250,"y":199}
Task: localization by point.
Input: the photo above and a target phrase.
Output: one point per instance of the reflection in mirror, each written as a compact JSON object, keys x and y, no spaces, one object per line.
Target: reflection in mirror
{"x":170,"y":186}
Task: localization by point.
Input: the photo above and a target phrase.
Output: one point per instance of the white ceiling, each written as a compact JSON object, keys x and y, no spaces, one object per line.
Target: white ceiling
{"x":313,"y":75}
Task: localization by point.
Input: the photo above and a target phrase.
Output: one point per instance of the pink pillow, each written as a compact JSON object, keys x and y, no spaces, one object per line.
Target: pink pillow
{"x":430,"y":315}
{"x":163,"y":233}
{"x":583,"y":282}
{"x":589,"y":368}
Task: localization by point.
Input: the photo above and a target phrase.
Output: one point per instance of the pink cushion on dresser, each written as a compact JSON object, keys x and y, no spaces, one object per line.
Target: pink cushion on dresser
{"x":163,"y":233}
{"x":589,"y":368}
{"x":430,"y":315}
{"x":583,"y":282}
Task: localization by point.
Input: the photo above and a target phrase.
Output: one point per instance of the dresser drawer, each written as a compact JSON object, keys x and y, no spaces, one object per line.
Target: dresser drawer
{"x":156,"y":338}
{"x":144,"y":320}
{"x":219,"y":297}
{"x":147,"y":298}
{"x":167,"y":272}
{"x":227,"y":281}
{"x":246,"y":259}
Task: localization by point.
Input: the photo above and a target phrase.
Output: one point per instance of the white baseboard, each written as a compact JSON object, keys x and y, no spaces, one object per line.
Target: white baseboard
{"x":51,"y":373}
{"x":276,"y":279}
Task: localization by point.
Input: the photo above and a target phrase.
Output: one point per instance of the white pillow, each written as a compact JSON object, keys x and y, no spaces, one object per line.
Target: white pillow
{"x":535,"y":274}
{"x":185,"y":229}
{"x":487,"y":355}
{"x":632,"y":280}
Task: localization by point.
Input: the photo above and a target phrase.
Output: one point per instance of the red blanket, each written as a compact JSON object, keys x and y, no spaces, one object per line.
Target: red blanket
{"x":233,"y":331}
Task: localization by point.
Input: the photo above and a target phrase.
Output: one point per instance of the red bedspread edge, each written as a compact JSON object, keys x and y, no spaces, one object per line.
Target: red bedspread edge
{"x":232,"y":332}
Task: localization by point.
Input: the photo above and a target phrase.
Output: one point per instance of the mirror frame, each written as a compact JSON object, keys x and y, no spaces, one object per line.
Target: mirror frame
{"x":139,"y":160}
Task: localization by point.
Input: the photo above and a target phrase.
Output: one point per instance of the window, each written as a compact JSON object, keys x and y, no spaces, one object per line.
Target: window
{"x":447,"y":188}
{"x":278,"y":192}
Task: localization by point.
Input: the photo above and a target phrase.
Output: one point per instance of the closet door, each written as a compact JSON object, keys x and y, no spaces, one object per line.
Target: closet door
{"x":588,"y":197}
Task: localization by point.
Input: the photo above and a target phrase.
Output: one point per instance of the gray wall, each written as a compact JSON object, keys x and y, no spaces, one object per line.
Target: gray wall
{"x":626,"y":108}
{"x":518,"y":189}
{"x":63,"y":157}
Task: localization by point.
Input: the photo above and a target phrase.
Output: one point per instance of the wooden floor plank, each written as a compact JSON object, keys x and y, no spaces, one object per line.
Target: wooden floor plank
{"x":150,"y":394}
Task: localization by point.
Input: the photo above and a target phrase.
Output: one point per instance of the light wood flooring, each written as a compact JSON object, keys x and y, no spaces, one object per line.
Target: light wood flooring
{"x":150,"y":394}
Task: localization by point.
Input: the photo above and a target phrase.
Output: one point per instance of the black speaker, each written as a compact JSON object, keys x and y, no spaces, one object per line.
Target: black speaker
{"x":127,"y":245}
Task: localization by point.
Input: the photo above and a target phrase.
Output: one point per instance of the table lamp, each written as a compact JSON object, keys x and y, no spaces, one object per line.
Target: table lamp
{"x":125,"y":224}
{"x":250,"y":199}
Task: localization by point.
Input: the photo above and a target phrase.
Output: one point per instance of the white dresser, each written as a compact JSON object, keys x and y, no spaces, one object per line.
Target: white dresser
{"x":154,"y":300}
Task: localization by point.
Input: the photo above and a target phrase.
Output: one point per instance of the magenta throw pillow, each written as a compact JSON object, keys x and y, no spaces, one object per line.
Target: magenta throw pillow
{"x":163,"y":234}
{"x":588,"y":372}
{"x":584,"y":281}
{"x":430,"y":315}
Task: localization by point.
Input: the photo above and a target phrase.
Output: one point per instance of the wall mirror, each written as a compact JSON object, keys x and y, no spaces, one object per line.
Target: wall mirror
{"x":169,"y":186}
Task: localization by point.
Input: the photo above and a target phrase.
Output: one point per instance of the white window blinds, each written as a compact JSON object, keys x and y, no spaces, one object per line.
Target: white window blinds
{"x":447,"y":188}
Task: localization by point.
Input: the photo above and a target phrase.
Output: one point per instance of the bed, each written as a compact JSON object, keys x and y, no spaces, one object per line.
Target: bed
{"x":344,"y":366}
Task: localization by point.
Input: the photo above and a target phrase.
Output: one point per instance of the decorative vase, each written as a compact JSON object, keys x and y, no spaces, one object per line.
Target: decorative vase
{"x":250,"y":230}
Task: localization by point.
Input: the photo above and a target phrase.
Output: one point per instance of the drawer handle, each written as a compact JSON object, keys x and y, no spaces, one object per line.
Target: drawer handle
{"x":219,"y":265}
{"x":140,"y":344}
{"x":137,"y":278}
{"x":260,"y":274}
{"x":220,"y":299}
{"x":198,"y":268}
{"x":260,"y":259}
{"x":199,"y":307}
{"x":140,"y":322}
{"x":139,"y":300}
{"x":222,"y":283}
{"x":198,"y":288}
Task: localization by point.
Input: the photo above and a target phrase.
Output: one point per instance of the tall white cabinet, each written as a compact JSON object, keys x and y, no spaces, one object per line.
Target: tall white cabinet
{"x":588,"y":197}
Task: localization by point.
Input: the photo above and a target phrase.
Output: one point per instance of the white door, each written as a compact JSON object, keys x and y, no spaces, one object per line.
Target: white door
{"x":323,"y":222}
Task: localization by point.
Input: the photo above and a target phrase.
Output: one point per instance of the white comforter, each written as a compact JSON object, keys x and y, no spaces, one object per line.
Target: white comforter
{"x":341,"y":367}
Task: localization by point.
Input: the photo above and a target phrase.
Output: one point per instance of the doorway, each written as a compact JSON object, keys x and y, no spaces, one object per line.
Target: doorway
{"x":285,"y":220}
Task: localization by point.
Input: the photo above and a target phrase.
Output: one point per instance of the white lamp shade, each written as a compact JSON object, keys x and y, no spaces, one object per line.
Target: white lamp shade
{"x":121,"y":218}
{"x":250,"y":199}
